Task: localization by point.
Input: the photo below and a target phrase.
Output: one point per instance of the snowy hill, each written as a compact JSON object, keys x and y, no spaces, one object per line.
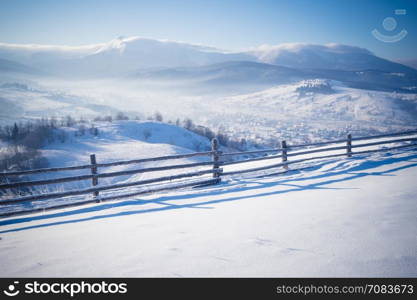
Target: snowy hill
{"x":119,"y":141}
{"x":321,"y":99}
{"x":124,"y":140}
{"x":349,"y":217}
{"x":312,"y":110}
{"x":116,"y":141}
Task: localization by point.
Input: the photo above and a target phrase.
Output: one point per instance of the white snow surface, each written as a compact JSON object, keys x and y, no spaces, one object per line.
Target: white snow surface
{"x":345,"y":217}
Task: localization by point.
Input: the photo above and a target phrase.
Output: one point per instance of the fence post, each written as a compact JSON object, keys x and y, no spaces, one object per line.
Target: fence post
{"x":216,"y":158}
{"x":94,"y":172}
{"x":349,"y":145}
{"x":284,"y":154}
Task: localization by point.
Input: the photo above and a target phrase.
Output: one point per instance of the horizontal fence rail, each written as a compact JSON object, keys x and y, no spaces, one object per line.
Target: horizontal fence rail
{"x":104,"y":188}
{"x":102,"y":175}
{"x":216,"y":171}
{"x":117,"y":163}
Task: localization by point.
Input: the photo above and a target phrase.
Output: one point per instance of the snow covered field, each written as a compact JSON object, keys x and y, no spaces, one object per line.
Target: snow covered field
{"x":349,"y":217}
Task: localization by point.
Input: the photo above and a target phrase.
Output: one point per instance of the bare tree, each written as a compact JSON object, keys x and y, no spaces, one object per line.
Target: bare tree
{"x":69,"y":121}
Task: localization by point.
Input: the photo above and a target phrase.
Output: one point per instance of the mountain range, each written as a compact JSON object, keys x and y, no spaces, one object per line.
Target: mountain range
{"x":144,"y":58}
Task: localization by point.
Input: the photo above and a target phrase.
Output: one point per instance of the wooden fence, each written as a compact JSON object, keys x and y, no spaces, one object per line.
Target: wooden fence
{"x":285,"y":153}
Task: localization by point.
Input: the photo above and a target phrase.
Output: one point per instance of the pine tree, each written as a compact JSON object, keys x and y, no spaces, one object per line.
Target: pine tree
{"x":158,"y":116}
{"x":15,"y":132}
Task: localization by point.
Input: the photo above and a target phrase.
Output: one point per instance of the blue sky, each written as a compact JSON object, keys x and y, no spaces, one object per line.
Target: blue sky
{"x":228,"y":24}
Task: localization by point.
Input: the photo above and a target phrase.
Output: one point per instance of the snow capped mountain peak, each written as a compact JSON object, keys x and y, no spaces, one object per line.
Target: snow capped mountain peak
{"x":118,"y":44}
{"x":138,"y":43}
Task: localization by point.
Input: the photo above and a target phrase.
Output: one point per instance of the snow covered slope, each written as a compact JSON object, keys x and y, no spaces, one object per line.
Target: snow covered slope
{"x":117,"y":141}
{"x":352,"y":217}
{"x":312,"y":110}
{"x":321,"y":99}
{"x":124,"y":140}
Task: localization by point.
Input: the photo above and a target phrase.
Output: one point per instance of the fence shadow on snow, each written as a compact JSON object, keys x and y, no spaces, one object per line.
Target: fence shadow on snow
{"x":344,"y":171}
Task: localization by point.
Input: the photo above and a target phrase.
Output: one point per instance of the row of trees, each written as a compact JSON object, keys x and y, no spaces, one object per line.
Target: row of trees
{"x":35,"y":134}
{"x":21,"y":142}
